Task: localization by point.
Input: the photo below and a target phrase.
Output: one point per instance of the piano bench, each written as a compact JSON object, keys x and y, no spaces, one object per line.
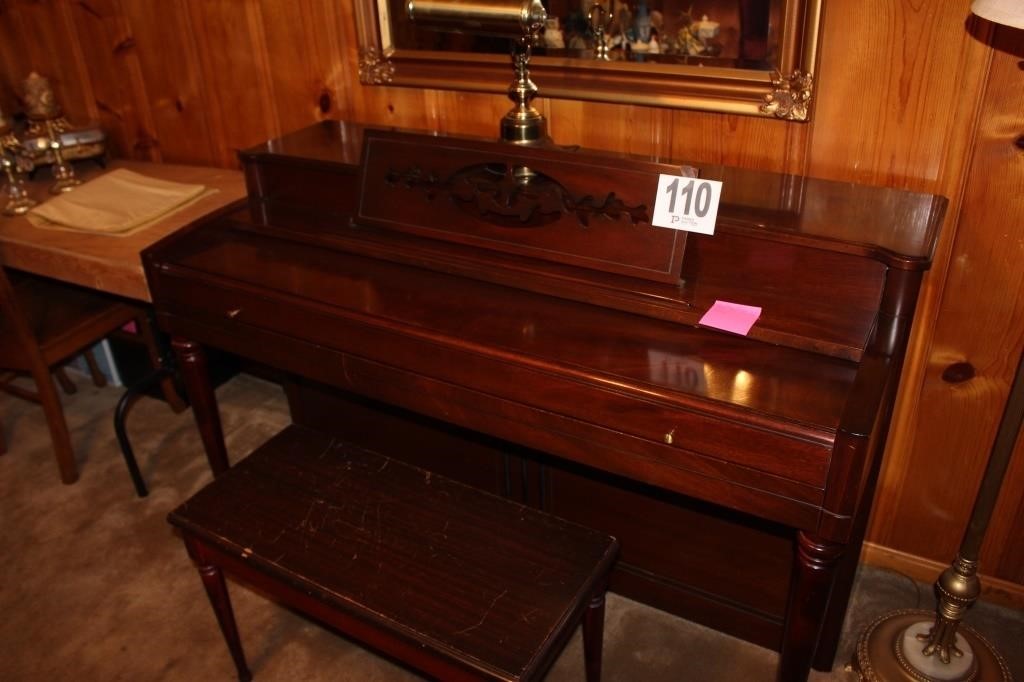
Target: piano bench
{"x":454,"y":582}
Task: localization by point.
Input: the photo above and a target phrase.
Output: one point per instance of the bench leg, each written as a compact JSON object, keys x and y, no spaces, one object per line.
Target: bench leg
{"x":217,"y":591}
{"x":593,"y":637}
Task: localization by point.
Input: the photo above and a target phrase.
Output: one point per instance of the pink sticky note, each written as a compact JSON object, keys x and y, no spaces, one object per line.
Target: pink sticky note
{"x":732,"y":317}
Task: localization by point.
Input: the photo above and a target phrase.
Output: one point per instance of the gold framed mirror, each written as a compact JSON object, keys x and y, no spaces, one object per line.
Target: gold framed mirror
{"x":753,"y":57}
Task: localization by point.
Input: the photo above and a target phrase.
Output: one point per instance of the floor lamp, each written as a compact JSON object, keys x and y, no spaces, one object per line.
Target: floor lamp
{"x":917,"y":646}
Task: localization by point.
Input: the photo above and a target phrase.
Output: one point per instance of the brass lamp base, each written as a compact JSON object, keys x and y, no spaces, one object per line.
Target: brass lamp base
{"x":526,"y":128}
{"x":883,"y":656}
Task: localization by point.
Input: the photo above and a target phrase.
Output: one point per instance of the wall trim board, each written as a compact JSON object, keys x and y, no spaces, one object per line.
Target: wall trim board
{"x":993,"y":590}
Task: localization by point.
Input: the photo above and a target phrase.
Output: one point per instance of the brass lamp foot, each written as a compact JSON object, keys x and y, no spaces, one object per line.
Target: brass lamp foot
{"x":889,"y":651}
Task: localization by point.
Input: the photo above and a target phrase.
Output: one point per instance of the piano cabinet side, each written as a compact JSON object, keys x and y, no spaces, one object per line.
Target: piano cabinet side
{"x":860,"y":443}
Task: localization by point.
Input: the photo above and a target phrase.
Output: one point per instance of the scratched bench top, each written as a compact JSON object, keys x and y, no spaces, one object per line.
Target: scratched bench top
{"x":468,"y":574}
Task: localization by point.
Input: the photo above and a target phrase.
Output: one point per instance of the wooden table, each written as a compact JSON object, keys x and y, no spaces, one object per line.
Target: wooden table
{"x":111,"y":263}
{"x":107,"y":262}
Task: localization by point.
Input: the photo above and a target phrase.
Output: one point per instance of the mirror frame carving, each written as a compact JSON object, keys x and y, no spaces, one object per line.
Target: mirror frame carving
{"x":786,"y":93}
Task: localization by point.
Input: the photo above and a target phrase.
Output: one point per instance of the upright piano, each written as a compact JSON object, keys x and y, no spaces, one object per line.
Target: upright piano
{"x":509,"y":317}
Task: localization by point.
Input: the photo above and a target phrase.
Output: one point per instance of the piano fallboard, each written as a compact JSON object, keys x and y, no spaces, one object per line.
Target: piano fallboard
{"x":763,"y":430}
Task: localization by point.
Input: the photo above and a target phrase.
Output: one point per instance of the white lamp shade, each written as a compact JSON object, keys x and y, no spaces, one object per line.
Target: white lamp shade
{"x":1008,"y":12}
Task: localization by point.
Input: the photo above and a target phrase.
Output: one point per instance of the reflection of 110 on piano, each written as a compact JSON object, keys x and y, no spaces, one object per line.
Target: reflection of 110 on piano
{"x":687,"y":204}
{"x":682,"y":371}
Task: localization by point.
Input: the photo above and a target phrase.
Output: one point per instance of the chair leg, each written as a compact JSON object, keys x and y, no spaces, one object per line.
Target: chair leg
{"x":121,"y":431}
{"x":593,"y":637}
{"x":50,"y":401}
{"x":98,"y":378}
{"x":65,"y":383}
{"x":167,"y":385}
{"x":217,"y":591}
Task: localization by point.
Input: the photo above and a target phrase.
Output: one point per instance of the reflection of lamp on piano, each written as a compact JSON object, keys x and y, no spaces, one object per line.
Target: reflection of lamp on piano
{"x":520,"y":20}
{"x":908,"y":645}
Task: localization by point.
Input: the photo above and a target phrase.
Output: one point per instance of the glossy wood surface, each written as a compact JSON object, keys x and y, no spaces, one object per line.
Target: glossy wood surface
{"x":889,"y":110}
{"x":483,"y":587}
{"x":110,"y":263}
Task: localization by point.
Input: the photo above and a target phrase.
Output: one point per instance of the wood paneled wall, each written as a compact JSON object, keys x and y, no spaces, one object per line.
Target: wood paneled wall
{"x":909,"y":94}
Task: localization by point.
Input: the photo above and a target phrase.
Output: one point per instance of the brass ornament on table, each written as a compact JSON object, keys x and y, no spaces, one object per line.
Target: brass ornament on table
{"x":8,"y":140}
{"x":46,"y":122}
{"x":77,"y":143}
{"x":63,"y":172}
{"x":39,"y":99}
{"x":18,"y":199}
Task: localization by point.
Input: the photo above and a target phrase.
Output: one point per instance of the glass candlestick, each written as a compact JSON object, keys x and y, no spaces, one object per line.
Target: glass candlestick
{"x":18,"y":200}
{"x":63,"y":172}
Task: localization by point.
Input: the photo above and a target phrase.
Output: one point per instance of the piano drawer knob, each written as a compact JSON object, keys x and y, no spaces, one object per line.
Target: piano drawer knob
{"x":670,"y":436}
{"x":958,"y":372}
{"x":233,"y":313}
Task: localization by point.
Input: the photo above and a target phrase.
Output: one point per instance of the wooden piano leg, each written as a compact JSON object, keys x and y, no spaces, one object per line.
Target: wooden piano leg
{"x":196,"y":376}
{"x":813,"y":574}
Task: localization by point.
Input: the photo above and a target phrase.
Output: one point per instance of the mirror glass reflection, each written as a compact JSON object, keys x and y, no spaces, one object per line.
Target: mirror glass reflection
{"x":722,"y":33}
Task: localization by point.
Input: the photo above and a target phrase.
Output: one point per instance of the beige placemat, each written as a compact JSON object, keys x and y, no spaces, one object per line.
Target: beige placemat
{"x":117,"y":203}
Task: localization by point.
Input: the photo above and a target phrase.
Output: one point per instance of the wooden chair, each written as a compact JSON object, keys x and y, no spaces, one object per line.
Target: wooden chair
{"x":43,"y":323}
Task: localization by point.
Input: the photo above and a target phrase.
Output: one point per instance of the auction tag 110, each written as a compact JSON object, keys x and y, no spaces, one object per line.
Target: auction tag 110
{"x":689,"y":204}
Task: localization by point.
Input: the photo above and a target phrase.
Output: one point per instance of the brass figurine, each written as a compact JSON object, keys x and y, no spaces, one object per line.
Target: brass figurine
{"x":40,"y":100}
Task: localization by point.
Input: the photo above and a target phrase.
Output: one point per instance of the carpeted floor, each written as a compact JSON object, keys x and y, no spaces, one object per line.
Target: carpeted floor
{"x":94,"y":585}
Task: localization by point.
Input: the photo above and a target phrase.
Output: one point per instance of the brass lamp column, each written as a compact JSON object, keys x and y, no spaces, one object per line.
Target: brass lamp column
{"x":520,"y":20}
{"x":523,"y":124}
{"x":917,"y":646}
